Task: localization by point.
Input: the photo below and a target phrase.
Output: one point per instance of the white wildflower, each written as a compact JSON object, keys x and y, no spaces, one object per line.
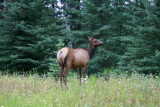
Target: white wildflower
{"x":44,"y":100}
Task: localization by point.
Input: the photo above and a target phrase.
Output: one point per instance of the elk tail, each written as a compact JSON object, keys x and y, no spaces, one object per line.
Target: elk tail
{"x":62,"y":55}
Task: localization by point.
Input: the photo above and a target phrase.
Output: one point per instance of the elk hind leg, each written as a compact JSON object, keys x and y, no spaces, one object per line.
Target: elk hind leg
{"x":64,"y":75}
{"x":61,"y":73}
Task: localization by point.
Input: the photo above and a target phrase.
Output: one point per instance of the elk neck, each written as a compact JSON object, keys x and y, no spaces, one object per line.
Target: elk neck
{"x":91,"y":50}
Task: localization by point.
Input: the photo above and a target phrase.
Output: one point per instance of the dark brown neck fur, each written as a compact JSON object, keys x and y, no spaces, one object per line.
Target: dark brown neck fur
{"x":91,"y":49}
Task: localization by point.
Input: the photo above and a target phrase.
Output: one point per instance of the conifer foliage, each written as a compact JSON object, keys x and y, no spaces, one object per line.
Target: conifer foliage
{"x":29,"y":32}
{"x":32,"y":31}
{"x":143,"y":52}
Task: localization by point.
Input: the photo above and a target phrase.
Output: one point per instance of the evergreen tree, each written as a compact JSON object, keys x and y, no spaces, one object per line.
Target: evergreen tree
{"x":1,"y":8}
{"x":33,"y":30}
{"x":106,"y":20}
{"x":143,"y":54}
{"x":29,"y":30}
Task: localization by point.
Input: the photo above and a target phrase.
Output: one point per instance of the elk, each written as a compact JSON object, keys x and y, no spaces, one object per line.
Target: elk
{"x":69,"y":58}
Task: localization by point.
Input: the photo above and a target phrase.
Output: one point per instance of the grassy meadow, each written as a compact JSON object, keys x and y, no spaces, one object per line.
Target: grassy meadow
{"x":35,"y":91}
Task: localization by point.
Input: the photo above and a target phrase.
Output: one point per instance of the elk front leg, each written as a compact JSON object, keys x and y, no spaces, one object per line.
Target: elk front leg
{"x":84,"y":69}
{"x":79,"y":74}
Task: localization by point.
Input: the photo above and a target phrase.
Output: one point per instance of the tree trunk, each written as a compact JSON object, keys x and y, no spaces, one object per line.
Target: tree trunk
{"x":68,"y":25}
{"x":1,"y":8}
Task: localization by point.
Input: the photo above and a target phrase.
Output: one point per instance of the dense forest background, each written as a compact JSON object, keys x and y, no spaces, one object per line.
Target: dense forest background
{"x":32,"y":31}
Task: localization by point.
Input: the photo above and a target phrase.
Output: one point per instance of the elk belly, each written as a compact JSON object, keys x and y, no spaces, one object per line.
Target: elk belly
{"x":81,"y":58}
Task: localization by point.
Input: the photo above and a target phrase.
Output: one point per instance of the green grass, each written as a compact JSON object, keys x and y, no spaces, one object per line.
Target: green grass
{"x":32,"y":91}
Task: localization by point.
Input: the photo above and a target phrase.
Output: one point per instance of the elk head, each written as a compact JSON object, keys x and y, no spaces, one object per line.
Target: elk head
{"x":96,"y":43}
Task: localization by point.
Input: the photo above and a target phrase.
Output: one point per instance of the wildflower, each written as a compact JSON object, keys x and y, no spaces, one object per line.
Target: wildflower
{"x":44,"y":100}
{"x":85,"y":82}
{"x":85,"y":79}
{"x":86,"y":76}
{"x":23,"y":85}
{"x":118,"y":94}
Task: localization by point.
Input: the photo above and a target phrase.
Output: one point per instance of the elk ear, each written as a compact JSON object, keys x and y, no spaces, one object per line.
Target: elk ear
{"x":90,"y":38}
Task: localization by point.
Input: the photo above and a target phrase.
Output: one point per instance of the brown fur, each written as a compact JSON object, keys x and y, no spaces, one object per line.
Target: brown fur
{"x":69,"y":58}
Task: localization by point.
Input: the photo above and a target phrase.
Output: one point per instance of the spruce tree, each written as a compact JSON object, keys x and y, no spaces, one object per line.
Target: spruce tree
{"x":143,"y":52}
{"x":106,"y":20}
{"x":29,"y":30}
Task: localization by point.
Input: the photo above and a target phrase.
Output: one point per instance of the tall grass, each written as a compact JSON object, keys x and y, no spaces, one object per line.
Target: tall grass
{"x":34,"y":91}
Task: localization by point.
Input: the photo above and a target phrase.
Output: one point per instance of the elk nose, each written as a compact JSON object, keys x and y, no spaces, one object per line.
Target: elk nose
{"x":102,"y":43}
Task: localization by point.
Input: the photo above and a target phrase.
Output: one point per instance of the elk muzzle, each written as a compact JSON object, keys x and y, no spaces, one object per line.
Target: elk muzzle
{"x":99,"y":43}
